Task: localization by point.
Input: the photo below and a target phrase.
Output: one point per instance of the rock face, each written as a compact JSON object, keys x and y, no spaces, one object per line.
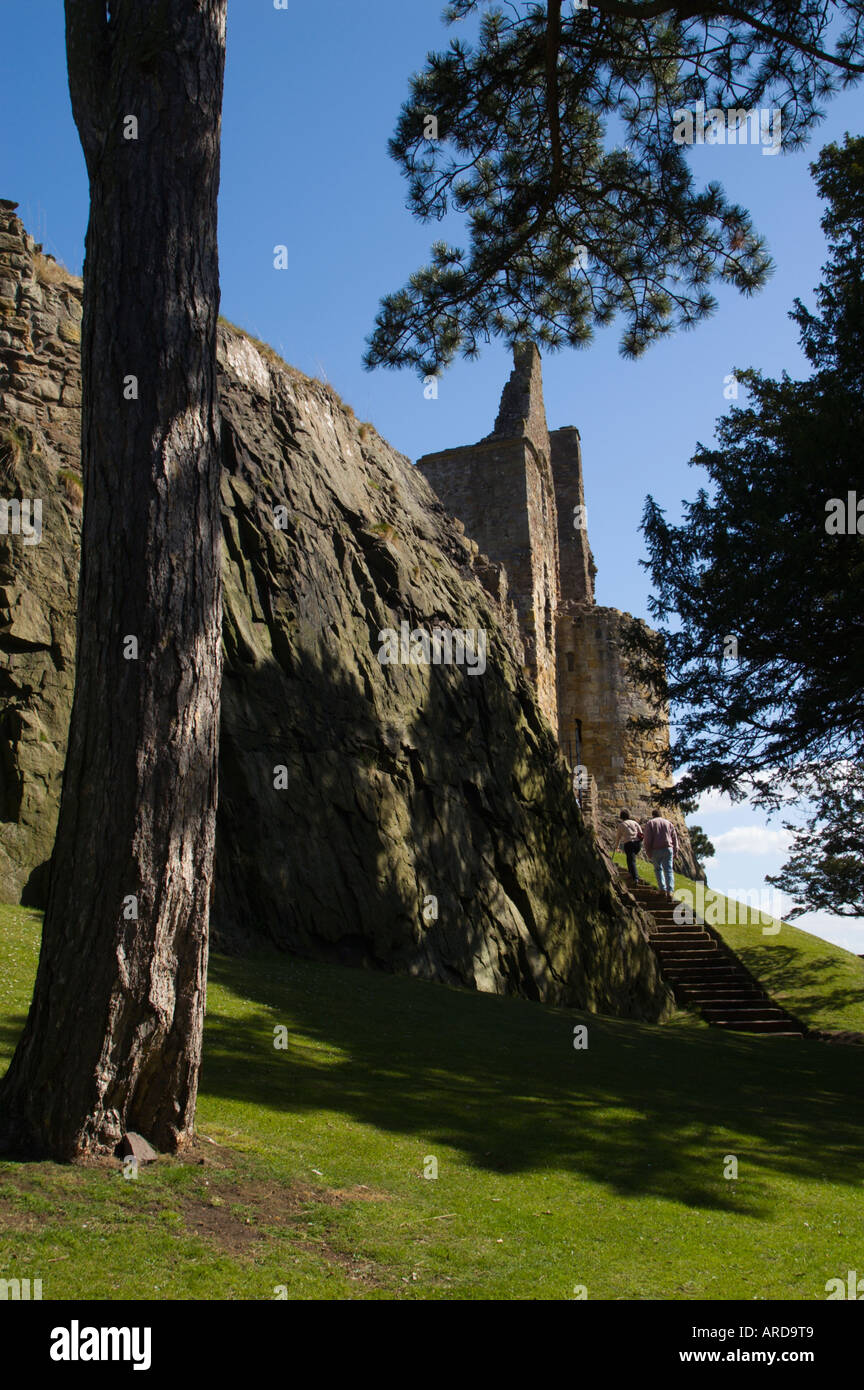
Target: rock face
{"x":407,"y":814}
{"x":40,"y":425}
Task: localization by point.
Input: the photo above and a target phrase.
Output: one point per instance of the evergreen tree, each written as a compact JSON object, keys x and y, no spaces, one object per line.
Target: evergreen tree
{"x":763,"y":578}
{"x":113,"y":1038}
{"x":825,"y":868}
{"x":700,"y":844}
{"x":567,"y":228}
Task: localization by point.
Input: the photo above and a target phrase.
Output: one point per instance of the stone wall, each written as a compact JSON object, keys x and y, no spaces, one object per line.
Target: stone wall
{"x":597,"y":700}
{"x":520,"y":493}
{"x":40,"y":425}
{"x":577,"y":567}
{"x":502,"y":490}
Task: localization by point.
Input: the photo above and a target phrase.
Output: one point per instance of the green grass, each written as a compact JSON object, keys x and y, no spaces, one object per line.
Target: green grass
{"x":50,"y":271}
{"x":13,"y":444}
{"x":557,"y":1167}
{"x":73,"y":485}
{"x":273,"y":357}
{"x":818,"y":982}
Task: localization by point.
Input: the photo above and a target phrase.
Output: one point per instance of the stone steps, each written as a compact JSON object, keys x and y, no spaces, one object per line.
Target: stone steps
{"x":728,"y":994}
{"x":706,"y":976}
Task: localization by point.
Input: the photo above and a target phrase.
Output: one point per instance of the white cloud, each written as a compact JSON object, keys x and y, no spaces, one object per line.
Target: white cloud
{"x":840,"y":930}
{"x":713,"y":801}
{"x":751,"y":839}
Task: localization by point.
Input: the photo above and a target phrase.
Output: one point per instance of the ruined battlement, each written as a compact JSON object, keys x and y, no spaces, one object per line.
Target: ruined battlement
{"x":503,"y":490}
{"x":520,"y":494}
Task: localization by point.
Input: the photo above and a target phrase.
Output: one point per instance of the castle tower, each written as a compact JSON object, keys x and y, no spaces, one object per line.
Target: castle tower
{"x":598,"y":700}
{"x":502,"y":490}
{"x":521,"y":496}
{"x":577,"y":565}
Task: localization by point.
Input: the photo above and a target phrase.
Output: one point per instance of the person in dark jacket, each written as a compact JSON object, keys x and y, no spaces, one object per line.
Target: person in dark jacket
{"x":629,"y":838}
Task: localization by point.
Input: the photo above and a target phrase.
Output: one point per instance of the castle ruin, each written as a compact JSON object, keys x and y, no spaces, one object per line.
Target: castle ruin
{"x":520,"y":495}
{"x":379,"y":812}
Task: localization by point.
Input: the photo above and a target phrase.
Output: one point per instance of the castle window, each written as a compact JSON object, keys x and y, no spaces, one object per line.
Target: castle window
{"x":577,"y":742}
{"x":547,"y":612}
{"x":571,"y":661}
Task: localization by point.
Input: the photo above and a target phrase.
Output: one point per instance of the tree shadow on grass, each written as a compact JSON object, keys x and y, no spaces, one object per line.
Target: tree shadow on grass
{"x":643,"y":1110}
{"x":815,"y":985}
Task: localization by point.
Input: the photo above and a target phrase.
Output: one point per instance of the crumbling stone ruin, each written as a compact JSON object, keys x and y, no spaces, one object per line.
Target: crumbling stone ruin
{"x":412,"y":818}
{"x":520,"y":494}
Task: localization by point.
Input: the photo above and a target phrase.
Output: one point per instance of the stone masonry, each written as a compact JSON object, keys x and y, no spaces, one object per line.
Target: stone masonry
{"x":503,"y":490}
{"x":40,"y":400}
{"x":598,"y":699}
{"x":402,"y":816}
{"x":520,"y":494}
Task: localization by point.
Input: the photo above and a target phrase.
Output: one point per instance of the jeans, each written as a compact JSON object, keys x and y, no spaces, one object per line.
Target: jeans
{"x":662,"y":859}
{"x":631,"y":850}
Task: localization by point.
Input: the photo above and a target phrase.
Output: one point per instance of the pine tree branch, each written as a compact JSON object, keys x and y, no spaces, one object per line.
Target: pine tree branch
{"x":653,"y":9}
{"x":553,"y":48}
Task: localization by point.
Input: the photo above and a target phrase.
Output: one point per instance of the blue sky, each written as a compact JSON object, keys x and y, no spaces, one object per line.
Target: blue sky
{"x":312,"y":95}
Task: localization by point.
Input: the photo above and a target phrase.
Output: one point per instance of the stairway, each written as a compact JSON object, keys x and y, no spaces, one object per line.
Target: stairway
{"x":705,"y":975}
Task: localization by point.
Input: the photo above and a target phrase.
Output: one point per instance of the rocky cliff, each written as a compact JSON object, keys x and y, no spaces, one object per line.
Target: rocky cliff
{"x":408,"y":815}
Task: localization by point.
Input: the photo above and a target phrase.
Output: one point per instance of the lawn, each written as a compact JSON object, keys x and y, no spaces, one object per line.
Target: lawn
{"x":558,"y":1170}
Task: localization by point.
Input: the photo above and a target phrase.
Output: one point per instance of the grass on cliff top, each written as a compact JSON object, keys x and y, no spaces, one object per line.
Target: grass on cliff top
{"x":819,"y":983}
{"x":50,"y":271}
{"x":557,"y":1169}
{"x":271,"y":355}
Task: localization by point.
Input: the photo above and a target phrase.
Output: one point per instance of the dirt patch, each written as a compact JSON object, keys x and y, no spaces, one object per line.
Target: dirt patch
{"x":15,"y":1219}
{"x":277,"y":1199}
{"x":848,"y":1039}
{"x":234,"y":1215}
{"x":214,"y":1221}
{"x":269,"y":1204}
{"x":242,"y":1218}
{"x":196,"y":1152}
{"x":207,"y":1153}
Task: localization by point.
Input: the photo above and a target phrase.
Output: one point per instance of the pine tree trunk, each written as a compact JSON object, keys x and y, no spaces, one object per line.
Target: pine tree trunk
{"x":113,"y":1039}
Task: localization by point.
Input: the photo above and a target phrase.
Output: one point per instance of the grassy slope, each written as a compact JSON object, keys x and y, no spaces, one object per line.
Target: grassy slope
{"x":818,"y":982}
{"x":557,"y":1167}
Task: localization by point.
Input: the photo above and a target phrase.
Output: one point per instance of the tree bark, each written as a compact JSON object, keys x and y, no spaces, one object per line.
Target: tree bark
{"x":113,"y":1038}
